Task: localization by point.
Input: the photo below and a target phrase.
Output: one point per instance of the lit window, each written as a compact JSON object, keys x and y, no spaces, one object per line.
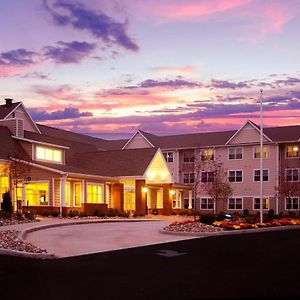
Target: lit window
{"x":207,"y":154}
{"x":292,"y":151}
{"x":4,"y":186}
{"x":292,"y":203}
{"x":265,"y":203}
{"x":36,"y":194}
{"x":235,"y":203}
{"x":95,"y":193}
{"x":169,"y":156}
{"x":235,"y":176}
{"x":292,"y":174}
{"x":235,"y":153}
{"x":48,"y":154}
{"x":257,"y":151}
{"x":257,"y":175}
{"x":207,"y":203}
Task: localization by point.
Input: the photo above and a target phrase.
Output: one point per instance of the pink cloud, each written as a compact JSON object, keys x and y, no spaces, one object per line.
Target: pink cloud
{"x":174,"y":70}
{"x":190,"y":9}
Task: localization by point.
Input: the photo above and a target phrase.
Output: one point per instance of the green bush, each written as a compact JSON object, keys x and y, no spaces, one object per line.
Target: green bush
{"x":174,"y":212}
{"x":7,"y":203}
{"x":55,"y":214}
{"x":253,"y":218}
{"x":98,"y":213}
{"x":246,"y":212}
{"x":220,"y":216}
{"x":184,"y":212}
{"x":45,"y":213}
{"x":124,"y":214}
{"x":73,"y":213}
{"x":5,"y":215}
{"x":19,"y":216}
{"x":207,"y":218}
{"x":29,"y":215}
{"x":82,"y":214}
{"x":111,"y":212}
{"x":155,"y":211}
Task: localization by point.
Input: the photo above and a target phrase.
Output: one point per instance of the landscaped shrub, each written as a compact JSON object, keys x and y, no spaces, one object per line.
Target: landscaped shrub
{"x":174,"y":212}
{"x":82,"y":214}
{"x":45,"y":213}
{"x":124,"y":214}
{"x":98,"y":213}
{"x":245,"y":212}
{"x":7,"y":203}
{"x":220,"y":216}
{"x":19,"y":216}
{"x":112,"y":212}
{"x":184,"y":212}
{"x":207,"y":218}
{"x":253,"y":218}
{"x":73,"y":213}
{"x":155,"y":211}
{"x":5,"y":215}
{"x":29,"y":215}
{"x":55,"y":214}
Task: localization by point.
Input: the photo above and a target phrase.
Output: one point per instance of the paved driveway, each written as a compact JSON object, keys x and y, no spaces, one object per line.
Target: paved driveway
{"x":100,"y":237}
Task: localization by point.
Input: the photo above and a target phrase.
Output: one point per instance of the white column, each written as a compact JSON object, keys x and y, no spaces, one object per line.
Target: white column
{"x":62,"y":193}
{"x":191,"y":200}
{"x":83,"y":200}
{"x":23,"y":194}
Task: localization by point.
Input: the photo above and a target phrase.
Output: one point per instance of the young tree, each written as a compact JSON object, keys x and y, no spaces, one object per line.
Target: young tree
{"x":211,"y":177}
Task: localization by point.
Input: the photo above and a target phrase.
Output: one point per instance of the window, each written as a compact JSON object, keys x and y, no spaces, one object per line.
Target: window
{"x":4,"y":186}
{"x":169,"y":156}
{"x":235,"y":153}
{"x":206,"y":203}
{"x":188,"y":178}
{"x":257,"y":175}
{"x":235,"y":203}
{"x":36,"y":194}
{"x":292,"y":174}
{"x":188,"y":156}
{"x":265,"y":203}
{"x":95,"y":193}
{"x":256,"y":151}
{"x":77,"y":193}
{"x":68,"y":194}
{"x":292,"y":151}
{"x":292,"y":203}
{"x":235,"y":176}
{"x":48,"y":154}
{"x":207,"y":176}
{"x":207,"y":154}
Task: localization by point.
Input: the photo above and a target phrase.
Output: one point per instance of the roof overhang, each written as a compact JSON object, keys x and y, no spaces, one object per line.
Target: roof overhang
{"x":39,"y":142}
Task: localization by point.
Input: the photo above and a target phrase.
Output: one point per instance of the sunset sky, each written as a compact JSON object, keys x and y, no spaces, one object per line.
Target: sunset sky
{"x":109,"y":67}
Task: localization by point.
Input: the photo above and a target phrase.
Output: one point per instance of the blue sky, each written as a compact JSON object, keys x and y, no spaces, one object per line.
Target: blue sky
{"x":110,"y":67}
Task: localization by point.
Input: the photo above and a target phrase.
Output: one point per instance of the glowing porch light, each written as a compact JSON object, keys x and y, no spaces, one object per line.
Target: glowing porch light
{"x":151,"y":175}
{"x":172,"y":192}
{"x":163,"y":175}
{"x":144,"y":189}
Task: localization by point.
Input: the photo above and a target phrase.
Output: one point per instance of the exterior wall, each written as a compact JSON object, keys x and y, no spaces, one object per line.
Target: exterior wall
{"x":167,"y":200}
{"x":11,"y":124}
{"x":140,"y":198}
{"x":20,"y":113}
{"x":118,"y":196}
{"x":28,"y":147}
{"x":174,"y":166}
{"x":248,"y":134}
{"x":288,"y":188}
{"x":138,"y":141}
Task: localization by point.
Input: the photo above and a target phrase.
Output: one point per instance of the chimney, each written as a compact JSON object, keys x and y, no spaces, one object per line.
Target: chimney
{"x":8,"y":102}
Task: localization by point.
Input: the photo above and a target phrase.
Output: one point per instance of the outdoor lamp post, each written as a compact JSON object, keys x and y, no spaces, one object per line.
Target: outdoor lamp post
{"x":261,"y":158}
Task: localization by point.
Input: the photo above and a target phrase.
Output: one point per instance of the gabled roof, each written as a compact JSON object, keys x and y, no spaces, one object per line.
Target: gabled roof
{"x":283,"y":133}
{"x":141,"y":133}
{"x":255,"y":126}
{"x":10,"y":147}
{"x":6,"y":110}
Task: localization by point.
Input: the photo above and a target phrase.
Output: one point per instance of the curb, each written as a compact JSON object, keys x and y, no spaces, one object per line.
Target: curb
{"x":22,"y":235}
{"x":231,"y":232}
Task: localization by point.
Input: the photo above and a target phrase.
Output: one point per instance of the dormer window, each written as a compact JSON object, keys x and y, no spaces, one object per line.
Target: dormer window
{"x":48,"y":154}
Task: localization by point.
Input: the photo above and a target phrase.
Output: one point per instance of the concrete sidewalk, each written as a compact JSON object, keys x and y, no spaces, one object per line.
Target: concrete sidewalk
{"x":71,"y":237}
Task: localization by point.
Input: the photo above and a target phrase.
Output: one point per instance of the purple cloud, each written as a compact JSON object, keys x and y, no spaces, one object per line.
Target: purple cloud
{"x":177,"y":83}
{"x":67,"y":113}
{"x":18,"y":57}
{"x":36,"y":75}
{"x":224,"y":84}
{"x":66,"y":53}
{"x":97,"y":23}
{"x":290,"y":81}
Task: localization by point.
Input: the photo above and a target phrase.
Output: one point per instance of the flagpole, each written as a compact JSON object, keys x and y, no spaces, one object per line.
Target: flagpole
{"x":261,"y":157}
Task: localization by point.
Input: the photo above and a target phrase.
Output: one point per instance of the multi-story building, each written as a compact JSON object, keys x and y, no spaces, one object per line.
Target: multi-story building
{"x":146,"y":172}
{"x":239,"y":153}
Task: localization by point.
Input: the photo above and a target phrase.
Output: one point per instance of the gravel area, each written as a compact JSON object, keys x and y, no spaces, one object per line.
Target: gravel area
{"x":6,"y":222}
{"x":9,"y":240}
{"x":190,"y":226}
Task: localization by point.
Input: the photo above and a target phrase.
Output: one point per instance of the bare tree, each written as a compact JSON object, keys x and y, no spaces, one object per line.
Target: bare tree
{"x":211,"y":177}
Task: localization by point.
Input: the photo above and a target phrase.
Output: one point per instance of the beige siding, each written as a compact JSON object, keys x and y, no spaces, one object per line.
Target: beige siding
{"x":248,"y":134}
{"x":27,"y":147}
{"x":138,"y":141}
{"x":20,"y":113}
{"x":11,"y":124}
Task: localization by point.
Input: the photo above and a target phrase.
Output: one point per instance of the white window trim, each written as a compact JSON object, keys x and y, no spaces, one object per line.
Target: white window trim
{"x":258,"y":197}
{"x":235,"y":153}
{"x":49,"y":161}
{"x":48,"y":193}
{"x":293,"y":157}
{"x":95,"y":183}
{"x":268,"y":152}
{"x":81,"y":185}
{"x":170,"y":162}
{"x":235,"y":197}
{"x":208,"y":198}
{"x":285,"y":177}
{"x":235,"y":176}
{"x":291,"y":209}
{"x":259,"y":171}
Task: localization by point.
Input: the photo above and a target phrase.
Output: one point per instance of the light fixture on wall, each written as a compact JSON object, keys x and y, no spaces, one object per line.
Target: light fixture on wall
{"x":172,"y":192}
{"x":144,"y":189}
